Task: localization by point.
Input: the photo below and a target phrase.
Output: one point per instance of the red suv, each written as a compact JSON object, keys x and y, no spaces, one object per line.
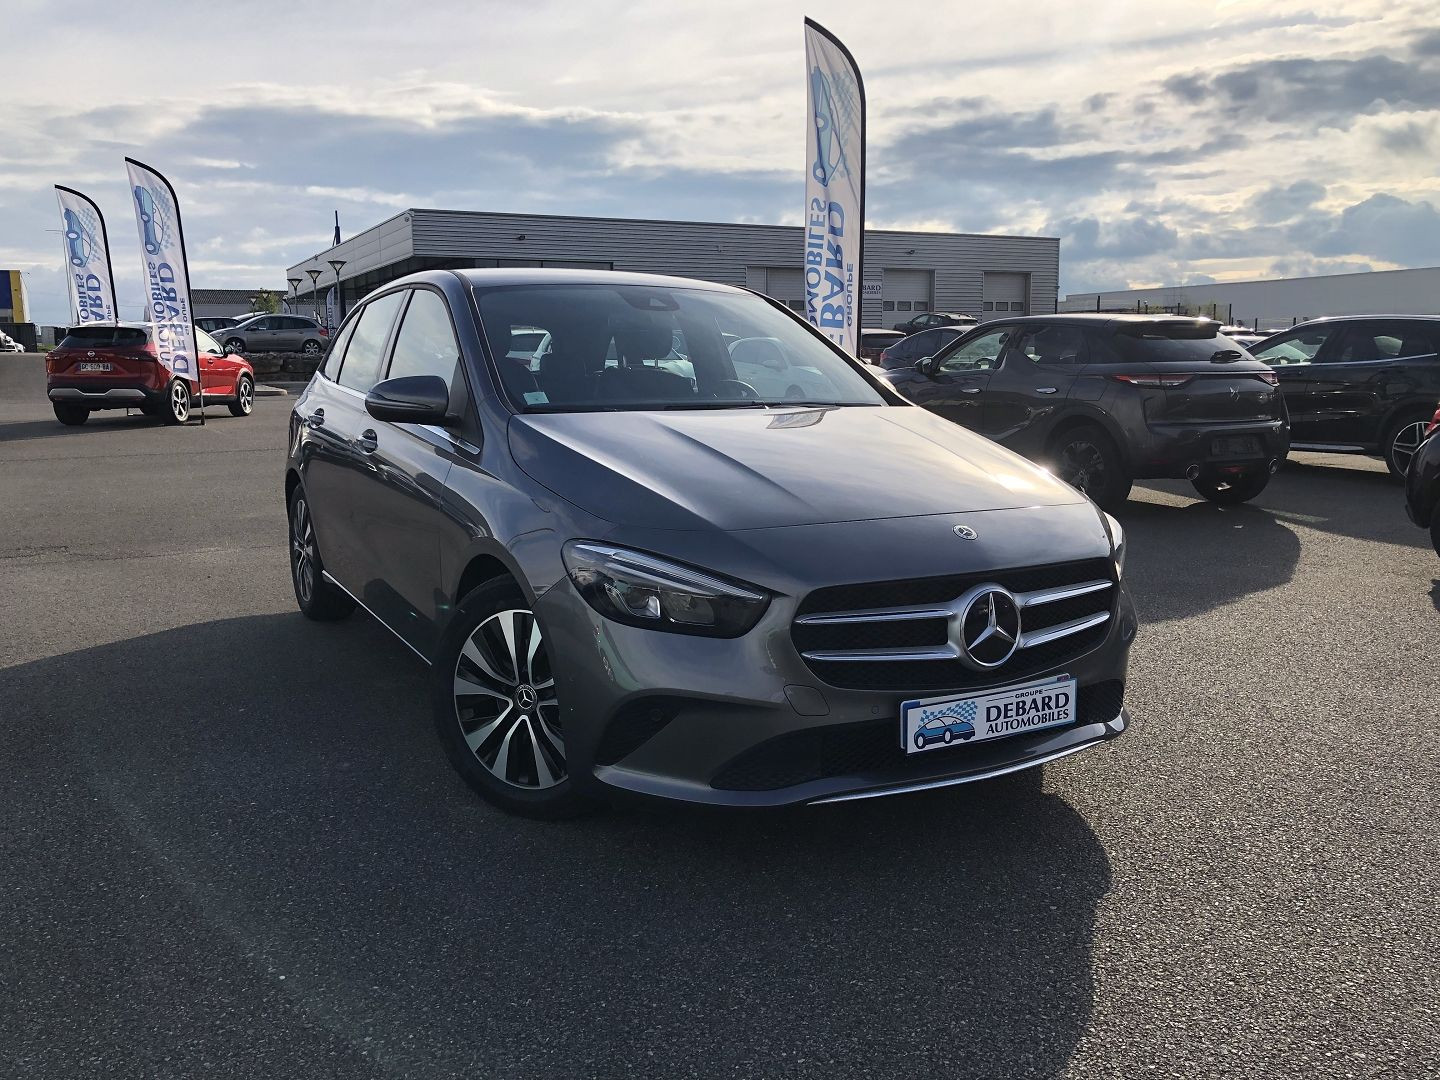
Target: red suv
{"x":117,"y":367}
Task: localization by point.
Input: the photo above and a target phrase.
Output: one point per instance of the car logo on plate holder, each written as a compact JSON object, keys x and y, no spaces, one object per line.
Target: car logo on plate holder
{"x":964,"y":532}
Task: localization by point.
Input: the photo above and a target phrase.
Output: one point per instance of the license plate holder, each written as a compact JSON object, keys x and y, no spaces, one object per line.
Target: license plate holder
{"x":92,"y":365}
{"x":937,"y":722}
{"x":1235,"y":446}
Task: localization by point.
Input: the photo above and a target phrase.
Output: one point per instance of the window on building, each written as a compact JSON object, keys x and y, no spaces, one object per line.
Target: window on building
{"x":887,"y":305}
{"x":989,"y":305}
{"x":902,"y":305}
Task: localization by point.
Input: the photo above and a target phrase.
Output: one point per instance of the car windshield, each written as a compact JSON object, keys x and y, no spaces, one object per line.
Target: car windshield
{"x":638,"y":347}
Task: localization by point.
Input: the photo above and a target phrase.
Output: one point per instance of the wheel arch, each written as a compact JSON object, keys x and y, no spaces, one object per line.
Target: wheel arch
{"x":1081,"y":417}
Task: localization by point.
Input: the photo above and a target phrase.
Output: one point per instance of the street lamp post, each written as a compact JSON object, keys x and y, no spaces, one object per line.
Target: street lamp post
{"x":315,"y":290}
{"x":336,"y":264}
{"x":294,"y":289}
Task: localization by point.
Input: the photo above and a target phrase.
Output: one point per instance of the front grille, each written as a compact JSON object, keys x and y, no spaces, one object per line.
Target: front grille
{"x":871,"y":749}
{"x":894,"y":635}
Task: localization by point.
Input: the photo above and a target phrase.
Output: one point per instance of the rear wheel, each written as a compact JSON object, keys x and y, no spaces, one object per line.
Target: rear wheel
{"x":176,"y":409}
{"x":1228,"y":489}
{"x":311,"y":348}
{"x":495,"y":706}
{"x":71,"y":415}
{"x":1086,"y":459}
{"x":318,"y":599}
{"x":244,"y":401}
{"x":1402,"y":440}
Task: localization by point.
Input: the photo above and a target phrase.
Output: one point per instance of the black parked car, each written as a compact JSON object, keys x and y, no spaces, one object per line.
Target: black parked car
{"x":929,"y":319}
{"x":905,"y":352}
{"x":1105,"y":399}
{"x":1359,"y":384}
{"x":1422,"y":483}
{"x":631,"y":569}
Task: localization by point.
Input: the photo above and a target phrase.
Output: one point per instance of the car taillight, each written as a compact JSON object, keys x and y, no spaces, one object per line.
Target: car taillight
{"x":144,"y":352}
{"x":1434,"y":423}
{"x":884,"y":355}
{"x":1153,"y":380}
{"x":324,"y":332}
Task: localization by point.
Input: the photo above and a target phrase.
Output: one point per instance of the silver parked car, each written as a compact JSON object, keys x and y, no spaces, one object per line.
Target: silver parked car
{"x":277,"y":333}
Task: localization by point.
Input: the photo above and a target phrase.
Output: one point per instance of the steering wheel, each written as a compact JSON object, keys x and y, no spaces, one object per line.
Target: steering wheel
{"x":746,"y":391}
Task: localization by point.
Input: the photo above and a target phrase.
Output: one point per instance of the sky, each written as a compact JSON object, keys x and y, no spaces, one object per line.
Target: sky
{"x":1164,"y":143}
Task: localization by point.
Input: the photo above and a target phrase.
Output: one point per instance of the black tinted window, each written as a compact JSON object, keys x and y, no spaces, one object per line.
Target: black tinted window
{"x":426,"y":342}
{"x":1384,"y":341}
{"x":1052,"y":345}
{"x":365,"y":352}
{"x":1300,"y":347}
{"x":1143,"y":348}
{"x":103,"y":337}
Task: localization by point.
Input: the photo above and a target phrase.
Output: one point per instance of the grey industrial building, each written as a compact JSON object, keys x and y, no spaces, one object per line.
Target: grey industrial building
{"x":904,"y":272}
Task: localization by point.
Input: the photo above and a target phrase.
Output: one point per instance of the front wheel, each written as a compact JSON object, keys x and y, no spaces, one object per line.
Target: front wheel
{"x":1230,"y":489}
{"x":71,"y":415}
{"x":1402,"y":440}
{"x":495,"y":705}
{"x":176,"y":409}
{"x":244,"y":402}
{"x":1087,"y":460}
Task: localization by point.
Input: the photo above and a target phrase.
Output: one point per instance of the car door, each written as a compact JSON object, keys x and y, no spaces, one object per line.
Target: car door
{"x":955,"y":387}
{"x":1028,"y":389}
{"x":1295,"y":355}
{"x":260,"y":335}
{"x":401,"y":521}
{"x":1376,"y":367}
{"x":338,"y":475}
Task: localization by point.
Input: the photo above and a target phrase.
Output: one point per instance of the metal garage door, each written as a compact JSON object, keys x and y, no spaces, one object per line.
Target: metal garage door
{"x":905,"y":292}
{"x":784,"y":283}
{"x":1005,"y":294}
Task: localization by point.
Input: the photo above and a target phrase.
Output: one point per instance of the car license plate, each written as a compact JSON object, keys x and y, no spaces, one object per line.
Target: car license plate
{"x":932,"y":723}
{"x":92,"y":367}
{"x":1235,"y":446}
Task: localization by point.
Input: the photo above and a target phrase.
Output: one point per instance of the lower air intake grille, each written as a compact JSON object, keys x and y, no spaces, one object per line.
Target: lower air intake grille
{"x":867,"y":749}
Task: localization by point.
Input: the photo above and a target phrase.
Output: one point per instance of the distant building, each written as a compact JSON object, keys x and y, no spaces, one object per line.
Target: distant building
{"x":988,"y":276}
{"x":1279,"y":302}
{"x":212,"y":302}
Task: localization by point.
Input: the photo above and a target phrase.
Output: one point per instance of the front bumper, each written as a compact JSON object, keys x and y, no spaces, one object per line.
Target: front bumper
{"x":745,"y":723}
{"x":1169,"y":450}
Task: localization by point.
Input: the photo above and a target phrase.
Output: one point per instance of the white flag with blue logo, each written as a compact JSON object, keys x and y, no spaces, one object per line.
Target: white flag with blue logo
{"x":834,"y":188}
{"x":330,"y":310}
{"x":87,"y":258}
{"x":167,"y":277}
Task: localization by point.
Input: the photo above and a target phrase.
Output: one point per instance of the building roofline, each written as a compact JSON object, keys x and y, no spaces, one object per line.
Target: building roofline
{"x":1253,"y":281}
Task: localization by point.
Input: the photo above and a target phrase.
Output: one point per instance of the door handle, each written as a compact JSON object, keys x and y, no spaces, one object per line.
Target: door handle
{"x":1045,"y":389}
{"x":969,"y":389}
{"x":369,"y":441}
{"x":315,"y":419}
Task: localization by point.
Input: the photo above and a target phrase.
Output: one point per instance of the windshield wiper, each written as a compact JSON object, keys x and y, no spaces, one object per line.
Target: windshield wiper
{"x":745,"y":403}
{"x":780,"y":404}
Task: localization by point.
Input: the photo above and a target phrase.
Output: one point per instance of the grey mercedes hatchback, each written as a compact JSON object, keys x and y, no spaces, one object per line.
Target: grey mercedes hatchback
{"x":690,"y":550}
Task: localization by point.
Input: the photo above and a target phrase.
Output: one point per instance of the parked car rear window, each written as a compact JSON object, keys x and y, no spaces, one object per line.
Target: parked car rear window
{"x":1157,"y":349}
{"x":360,"y":367}
{"x":645,"y":347}
{"x":104,"y":337}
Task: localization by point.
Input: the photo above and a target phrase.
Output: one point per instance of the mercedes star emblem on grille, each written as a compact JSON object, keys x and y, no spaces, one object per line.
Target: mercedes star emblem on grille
{"x":988,"y":627}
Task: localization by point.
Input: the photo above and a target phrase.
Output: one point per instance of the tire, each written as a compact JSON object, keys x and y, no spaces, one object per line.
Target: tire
{"x":948,"y":737}
{"x":176,"y":407}
{"x":71,"y":415}
{"x":508,"y":747}
{"x":316,"y":597}
{"x":1435,"y":531}
{"x":244,"y":403}
{"x":1232,"y":490}
{"x":1402,"y":438}
{"x":234,"y":345}
{"x":919,"y":741}
{"x":1088,"y":460}
{"x":311,"y":348}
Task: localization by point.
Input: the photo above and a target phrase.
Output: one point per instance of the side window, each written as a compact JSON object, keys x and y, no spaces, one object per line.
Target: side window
{"x":426,"y":342}
{"x":978,"y":354}
{"x":1295,"y":348}
{"x":1051,"y":345}
{"x":365,"y":352}
{"x":330,"y":366}
{"x":1383,"y":341}
{"x":292,"y":323}
{"x":261,"y":324}
{"x":207,"y":343}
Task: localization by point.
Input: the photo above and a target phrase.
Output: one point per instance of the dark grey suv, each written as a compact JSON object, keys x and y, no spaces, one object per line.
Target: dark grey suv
{"x":631,"y":571}
{"x":1105,"y":399}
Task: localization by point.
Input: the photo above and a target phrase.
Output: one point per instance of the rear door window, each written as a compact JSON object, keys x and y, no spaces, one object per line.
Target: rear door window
{"x":1383,"y":341}
{"x":365,"y":353}
{"x":1054,"y":346}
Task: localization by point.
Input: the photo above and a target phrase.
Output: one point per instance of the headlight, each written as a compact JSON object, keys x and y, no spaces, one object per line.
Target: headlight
{"x":645,"y":590}
{"x":1117,"y":542}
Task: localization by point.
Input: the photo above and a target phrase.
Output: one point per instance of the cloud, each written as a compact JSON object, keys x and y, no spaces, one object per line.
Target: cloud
{"x":1088,"y":239}
{"x":1383,"y":226}
{"x":1282,"y":202}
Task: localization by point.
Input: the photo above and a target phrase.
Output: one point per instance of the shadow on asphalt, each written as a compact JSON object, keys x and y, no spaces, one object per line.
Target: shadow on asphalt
{"x":107,"y":420}
{"x":1185,"y":560}
{"x":296,"y":804}
{"x":1361,"y":503}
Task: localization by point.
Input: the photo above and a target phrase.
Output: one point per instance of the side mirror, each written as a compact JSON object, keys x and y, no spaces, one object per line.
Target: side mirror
{"x":926,"y":365}
{"x":410,"y":399}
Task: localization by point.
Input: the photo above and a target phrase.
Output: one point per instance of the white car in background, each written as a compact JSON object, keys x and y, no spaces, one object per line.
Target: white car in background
{"x":763,"y":364}
{"x":9,"y":344}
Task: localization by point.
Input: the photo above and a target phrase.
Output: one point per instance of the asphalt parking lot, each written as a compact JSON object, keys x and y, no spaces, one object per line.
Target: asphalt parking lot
{"x":232,"y":845}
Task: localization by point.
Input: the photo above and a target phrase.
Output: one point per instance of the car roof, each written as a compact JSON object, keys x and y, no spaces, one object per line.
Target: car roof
{"x":531,"y":275}
{"x":1101,"y":319}
{"x":1353,"y":318}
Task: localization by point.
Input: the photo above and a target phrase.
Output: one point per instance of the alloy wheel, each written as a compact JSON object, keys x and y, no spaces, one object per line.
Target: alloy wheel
{"x":310,"y":348}
{"x":179,"y":401}
{"x":505,"y":702}
{"x":302,"y":551}
{"x":1082,"y":466}
{"x":247,"y":396}
{"x":1407,"y":440}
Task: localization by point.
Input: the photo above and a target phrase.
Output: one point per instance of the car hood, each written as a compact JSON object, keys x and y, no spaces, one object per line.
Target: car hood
{"x":755,"y":469}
